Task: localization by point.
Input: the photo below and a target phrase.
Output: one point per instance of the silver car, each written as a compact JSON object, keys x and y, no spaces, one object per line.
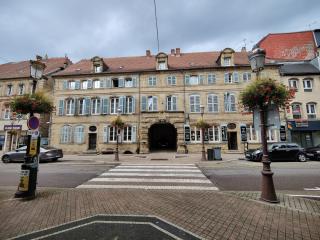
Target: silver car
{"x":46,"y":154}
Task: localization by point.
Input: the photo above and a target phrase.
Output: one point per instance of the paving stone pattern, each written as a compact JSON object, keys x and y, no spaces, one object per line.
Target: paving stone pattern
{"x":152,"y":176}
{"x":209,"y":214}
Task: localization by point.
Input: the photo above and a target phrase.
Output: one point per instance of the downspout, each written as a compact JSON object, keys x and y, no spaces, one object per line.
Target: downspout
{"x":139,"y":114}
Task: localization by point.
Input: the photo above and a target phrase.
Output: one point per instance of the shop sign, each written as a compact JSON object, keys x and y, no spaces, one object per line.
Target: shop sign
{"x":12,"y":127}
{"x":187,"y":133}
{"x":283,"y":135}
{"x":231,"y":125}
{"x":301,"y":123}
{"x":243,"y":132}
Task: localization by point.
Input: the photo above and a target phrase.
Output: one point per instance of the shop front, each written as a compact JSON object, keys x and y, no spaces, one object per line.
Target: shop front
{"x":304,"y":132}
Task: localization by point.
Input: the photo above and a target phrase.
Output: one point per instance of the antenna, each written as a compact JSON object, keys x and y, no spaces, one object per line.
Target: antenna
{"x":155,"y":15}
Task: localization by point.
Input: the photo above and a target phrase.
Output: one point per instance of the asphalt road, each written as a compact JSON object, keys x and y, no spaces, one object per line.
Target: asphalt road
{"x":247,"y":177}
{"x":53,"y":174}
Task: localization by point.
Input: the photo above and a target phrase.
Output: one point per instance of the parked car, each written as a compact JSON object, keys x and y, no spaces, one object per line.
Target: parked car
{"x":46,"y":154}
{"x":313,"y":152}
{"x":279,"y":152}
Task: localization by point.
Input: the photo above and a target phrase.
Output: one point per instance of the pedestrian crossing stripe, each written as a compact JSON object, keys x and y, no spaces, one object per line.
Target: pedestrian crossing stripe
{"x":154,"y":174}
{"x":158,"y":167}
{"x":151,"y":187}
{"x":151,"y":180}
{"x":152,"y":170}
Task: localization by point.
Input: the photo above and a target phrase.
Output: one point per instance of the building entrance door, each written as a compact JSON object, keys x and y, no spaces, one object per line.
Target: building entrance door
{"x":162,"y":136}
{"x":92,"y":141}
{"x":232,"y":141}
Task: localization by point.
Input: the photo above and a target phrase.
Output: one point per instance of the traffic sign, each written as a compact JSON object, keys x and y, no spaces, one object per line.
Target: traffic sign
{"x":33,"y":123}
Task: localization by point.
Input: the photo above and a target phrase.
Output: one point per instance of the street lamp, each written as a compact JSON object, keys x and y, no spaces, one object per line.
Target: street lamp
{"x":116,"y":157}
{"x":203,"y":152}
{"x":268,"y":193}
{"x":29,"y":169}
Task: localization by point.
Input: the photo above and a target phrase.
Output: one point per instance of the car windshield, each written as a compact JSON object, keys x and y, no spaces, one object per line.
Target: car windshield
{"x":22,"y":148}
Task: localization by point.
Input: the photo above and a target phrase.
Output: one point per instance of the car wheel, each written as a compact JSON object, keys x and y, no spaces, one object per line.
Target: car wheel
{"x":54,"y":159}
{"x":301,"y":157}
{"x":6,"y":159}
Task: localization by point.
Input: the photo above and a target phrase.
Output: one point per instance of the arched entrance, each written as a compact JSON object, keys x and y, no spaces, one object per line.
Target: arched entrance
{"x":162,"y":136}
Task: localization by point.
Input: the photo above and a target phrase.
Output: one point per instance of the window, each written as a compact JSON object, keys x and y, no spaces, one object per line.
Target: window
{"x":162,"y":65}
{"x":152,"y":103}
{"x":171,"y":80}
{"x":65,"y":135}
{"x":213,"y":103}
{"x":272,"y":135}
{"x":307,"y":85}
{"x":82,"y":106}
{"x":112,"y":134}
{"x":252,"y":134}
{"x":129,"y":105}
{"x":229,"y":102}
{"x":96,"y":84}
{"x":171,"y":103}
{"x":95,"y":106}
{"x":84,"y":84}
{"x":97,"y":68}
{"x":293,"y":84}
{"x":21,"y":89}
{"x":227,"y":61}
{"x":70,"y":106}
{"x":211,"y":79}
{"x":7,"y":113}
{"x":296,"y":110}
{"x":114,"y":105}
{"x":194,"y":80}
{"x":128,"y":82}
{"x":152,"y":81}
{"x":127,"y":134}
{"x":214,"y":134}
{"x":311,"y":110}
{"x":194,"y":103}
{"x":78,"y":135}
{"x":231,"y":77}
{"x":246,"y":76}
{"x":9,"y":90}
{"x":72,"y":85}
{"x":195,"y":135}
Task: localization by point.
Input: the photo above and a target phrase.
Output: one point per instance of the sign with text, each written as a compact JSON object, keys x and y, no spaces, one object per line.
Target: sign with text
{"x":12,"y":127}
{"x":283,"y":135}
{"x":243,"y":132}
{"x":187,"y":133}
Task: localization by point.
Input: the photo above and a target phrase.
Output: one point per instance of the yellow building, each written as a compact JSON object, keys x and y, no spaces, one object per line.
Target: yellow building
{"x":159,"y":98}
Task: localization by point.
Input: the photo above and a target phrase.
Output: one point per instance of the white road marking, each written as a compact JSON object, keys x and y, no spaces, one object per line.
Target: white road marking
{"x":152,"y":170}
{"x":310,"y":196}
{"x":154,"y":174}
{"x":151,"y":187}
{"x":151,"y":180}
{"x":158,"y":167}
{"x":312,"y":189}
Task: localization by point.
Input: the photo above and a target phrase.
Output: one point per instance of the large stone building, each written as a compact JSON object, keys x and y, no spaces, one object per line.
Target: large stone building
{"x":15,"y":80}
{"x":159,"y":98}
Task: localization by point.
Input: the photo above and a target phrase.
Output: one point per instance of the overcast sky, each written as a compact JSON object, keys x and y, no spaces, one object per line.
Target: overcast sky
{"x":109,"y":28}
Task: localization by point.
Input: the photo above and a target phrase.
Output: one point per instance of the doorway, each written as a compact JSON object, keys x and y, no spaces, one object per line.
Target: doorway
{"x":92,"y":141}
{"x":232,"y":141}
{"x":162,"y":136}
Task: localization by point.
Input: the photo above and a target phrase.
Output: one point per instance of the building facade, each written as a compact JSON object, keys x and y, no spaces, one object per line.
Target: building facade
{"x":159,"y":98}
{"x":15,"y":80}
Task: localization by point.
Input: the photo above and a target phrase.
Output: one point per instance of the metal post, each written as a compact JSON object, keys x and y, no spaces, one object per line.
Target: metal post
{"x":203,"y":151}
{"x":116,"y":158}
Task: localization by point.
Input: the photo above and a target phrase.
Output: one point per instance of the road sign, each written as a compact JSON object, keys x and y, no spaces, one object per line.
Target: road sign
{"x":33,"y":123}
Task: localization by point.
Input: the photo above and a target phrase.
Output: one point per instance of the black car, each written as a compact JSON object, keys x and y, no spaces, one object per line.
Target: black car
{"x":313,"y":152}
{"x":279,"y":152}
{"x":46,"y":154}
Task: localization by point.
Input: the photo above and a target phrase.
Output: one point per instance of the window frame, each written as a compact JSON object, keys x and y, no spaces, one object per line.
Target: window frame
{"x":195,"y":106}
{"x":310,"y":114}
{"x":152,"y":81}
{"x":305,"y":87}
{"x":213,"y":103}
{"x":95,"y":106}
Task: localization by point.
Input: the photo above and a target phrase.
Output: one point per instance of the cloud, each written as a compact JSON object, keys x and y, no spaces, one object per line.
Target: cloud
{"x":83,"y":29}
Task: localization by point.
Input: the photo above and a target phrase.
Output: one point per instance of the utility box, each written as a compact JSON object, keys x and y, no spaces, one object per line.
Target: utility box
{"x":217,"y":153}
{"x":210,"y":156}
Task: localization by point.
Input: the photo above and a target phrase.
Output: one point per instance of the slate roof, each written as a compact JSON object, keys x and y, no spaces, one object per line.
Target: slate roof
{"x":22,"y":69}
{"x":295,"y":46}
{"x":299,"y":69}
{"x":148,"y":63}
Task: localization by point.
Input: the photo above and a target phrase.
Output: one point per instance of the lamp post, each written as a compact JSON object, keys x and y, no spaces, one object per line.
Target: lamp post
{"x":29,"y":169}
{"x":203,"y":152}
{"x":268,"y":194}
{"x":116,"y":157}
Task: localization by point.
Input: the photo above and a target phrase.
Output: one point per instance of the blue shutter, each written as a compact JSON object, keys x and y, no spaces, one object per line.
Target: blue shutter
{"x":133,"y":104}
{"x":235,"y":77}
{"x":76,"y":106}
{"x":134,"y":81}
{"x":77,"y":84}
{"x":121,"y":82}
{"x":143,"y":103}
{"x":87,"y":107}
{"x":201,"y":78}
{"x":105,"y":134}
{"x":215,"y":103}
{"x":105,"y":106}
{"x":155,"y":103}
{"x":187,"y":79}
{"x":108,"y":83}
{"x":89,"y":83}
{"x":226,"y":78}
{"x":174,"y":103}
{"x":122,"y":106}
{"x":134,"y":134}
{"x":61,"y":107}
{"x":72,"y":106}
{"x":103,"y":83}
{"x":65,"y":85}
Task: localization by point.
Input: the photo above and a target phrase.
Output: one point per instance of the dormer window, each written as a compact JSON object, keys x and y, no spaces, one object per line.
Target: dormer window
{"x":97,"y":69}
{"x":226,"y":57}
{"x":162,"y":66}
{"x":162,"y":61}
{"x":227,"y":61}
{"x":98,"y":64}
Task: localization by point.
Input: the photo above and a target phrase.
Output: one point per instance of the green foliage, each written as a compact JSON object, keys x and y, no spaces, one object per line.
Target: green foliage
{"x":202,"y":124}
{"x":118,"y":122}
{"x":264,"y":92}
{"x":37,"y":103}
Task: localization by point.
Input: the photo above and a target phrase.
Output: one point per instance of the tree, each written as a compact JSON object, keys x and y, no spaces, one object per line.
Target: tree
{"x":118,"y":124}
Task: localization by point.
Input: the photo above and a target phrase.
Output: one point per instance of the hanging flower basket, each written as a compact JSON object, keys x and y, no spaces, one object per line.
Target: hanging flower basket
{"x":118,"y":122}
{"x":202,"y":124}
{"x":35,"y":103}
{"x":265,"y":92}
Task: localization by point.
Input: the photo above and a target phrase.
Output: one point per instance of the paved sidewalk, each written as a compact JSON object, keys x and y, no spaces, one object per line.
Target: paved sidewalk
{"x":209,"y":214}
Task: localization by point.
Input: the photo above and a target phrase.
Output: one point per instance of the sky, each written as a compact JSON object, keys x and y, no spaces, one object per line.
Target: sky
{"x":114,"y":28}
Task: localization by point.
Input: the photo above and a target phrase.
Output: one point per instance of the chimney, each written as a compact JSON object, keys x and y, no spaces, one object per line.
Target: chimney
{"x":178,"y":52}
{"x":38,"y":57}
{"x":243,"y":49}
{"x":46,"y":57}
{"x":173,"y":52}
{"x":148,"y":53}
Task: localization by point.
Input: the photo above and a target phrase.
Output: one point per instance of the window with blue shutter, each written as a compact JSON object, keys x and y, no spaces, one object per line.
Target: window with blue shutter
{"x":121,"y":82}
{"x":65,"y":85}
{"x":134,"y":134}
{"x":187,"y":79}
{"x":122,"y":100}
{"x":211,"y":79}
{"x":77,"y":84}
{"x":226,"y":78}
{"x":155,"y":104}
{"x":105,"y":134}
{"x":235,"y":77}
{"x":87,"y":107}
{"x":105,"y":106}
{"x":61,"y":107}
{"x":144,"y":103}
{"x":134,"y":81}
{"x":108,"y":83}
{"x":89,"y":83}
{"x":202,"y":78}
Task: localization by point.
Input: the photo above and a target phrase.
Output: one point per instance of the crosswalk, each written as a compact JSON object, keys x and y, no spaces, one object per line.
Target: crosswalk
{"x":152,"y":176}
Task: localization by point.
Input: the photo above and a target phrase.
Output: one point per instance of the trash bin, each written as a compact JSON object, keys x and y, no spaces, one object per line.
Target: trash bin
{"x":210,"y":154}
{"x":217,"y":153}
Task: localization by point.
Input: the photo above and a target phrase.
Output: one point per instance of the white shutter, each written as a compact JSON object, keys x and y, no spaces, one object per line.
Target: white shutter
{"x":134,"y":134}
{"x":105,"y":134}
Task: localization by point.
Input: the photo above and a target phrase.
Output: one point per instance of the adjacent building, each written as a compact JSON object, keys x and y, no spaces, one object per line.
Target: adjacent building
{"x":159,"y":97}
{"x":15,"y":80}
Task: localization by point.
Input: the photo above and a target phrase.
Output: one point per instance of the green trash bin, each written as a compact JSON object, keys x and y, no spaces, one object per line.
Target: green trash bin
{"x":210,"y":156}
{"x":217,"y":153}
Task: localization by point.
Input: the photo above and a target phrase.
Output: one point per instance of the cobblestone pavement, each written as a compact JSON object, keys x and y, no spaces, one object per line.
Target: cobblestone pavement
{"x":209,"y":214}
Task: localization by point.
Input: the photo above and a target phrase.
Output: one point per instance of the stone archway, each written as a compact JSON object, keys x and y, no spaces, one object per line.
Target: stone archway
{"x":162,"y":136}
